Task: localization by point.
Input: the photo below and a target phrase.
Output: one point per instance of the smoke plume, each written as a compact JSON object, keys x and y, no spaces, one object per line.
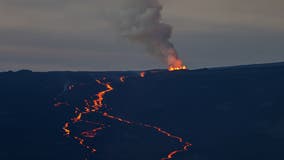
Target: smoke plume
{"x":140,"y":21}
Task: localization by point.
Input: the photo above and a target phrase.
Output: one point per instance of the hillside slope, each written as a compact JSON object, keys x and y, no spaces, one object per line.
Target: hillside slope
{"x":225,"y":113}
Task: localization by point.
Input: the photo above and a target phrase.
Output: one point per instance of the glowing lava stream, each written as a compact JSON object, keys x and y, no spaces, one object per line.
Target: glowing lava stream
{"x":97,"y":108}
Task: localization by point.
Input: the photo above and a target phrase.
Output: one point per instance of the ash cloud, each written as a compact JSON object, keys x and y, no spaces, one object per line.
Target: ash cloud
{"x":141,"y":22}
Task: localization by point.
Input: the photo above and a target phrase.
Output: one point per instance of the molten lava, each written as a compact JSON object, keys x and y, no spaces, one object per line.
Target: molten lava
{"x":142,"y":74}
{"x":98,"y":107}
{"x":122,"y":79}
{"x":172,"y":68}
{"x":175,"y":63}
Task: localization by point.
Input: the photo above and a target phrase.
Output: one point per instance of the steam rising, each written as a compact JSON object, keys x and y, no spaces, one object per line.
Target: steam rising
{"x":140,"y":21}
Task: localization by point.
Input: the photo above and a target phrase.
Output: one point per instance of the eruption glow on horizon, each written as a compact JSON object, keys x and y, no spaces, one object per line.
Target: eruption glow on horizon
{"x":141,"y":21}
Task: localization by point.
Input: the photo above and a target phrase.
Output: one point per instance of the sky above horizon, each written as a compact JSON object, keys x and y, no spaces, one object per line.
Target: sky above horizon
{"x":46,"y":35}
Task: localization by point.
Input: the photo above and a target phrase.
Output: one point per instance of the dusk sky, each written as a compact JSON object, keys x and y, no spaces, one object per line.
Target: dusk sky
{"x":45,"y":35}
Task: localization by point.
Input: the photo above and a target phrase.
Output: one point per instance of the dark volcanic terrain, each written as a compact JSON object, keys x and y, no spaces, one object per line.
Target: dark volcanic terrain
{"x":231,"y":113}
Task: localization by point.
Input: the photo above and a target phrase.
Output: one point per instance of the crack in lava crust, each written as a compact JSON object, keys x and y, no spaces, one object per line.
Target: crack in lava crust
{"x":100,"y":108}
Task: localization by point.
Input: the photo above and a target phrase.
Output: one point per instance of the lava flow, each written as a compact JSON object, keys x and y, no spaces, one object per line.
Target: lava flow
{"x":175,"y":63}
{"x":98,"y":107}
{"x":172,"y":68}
